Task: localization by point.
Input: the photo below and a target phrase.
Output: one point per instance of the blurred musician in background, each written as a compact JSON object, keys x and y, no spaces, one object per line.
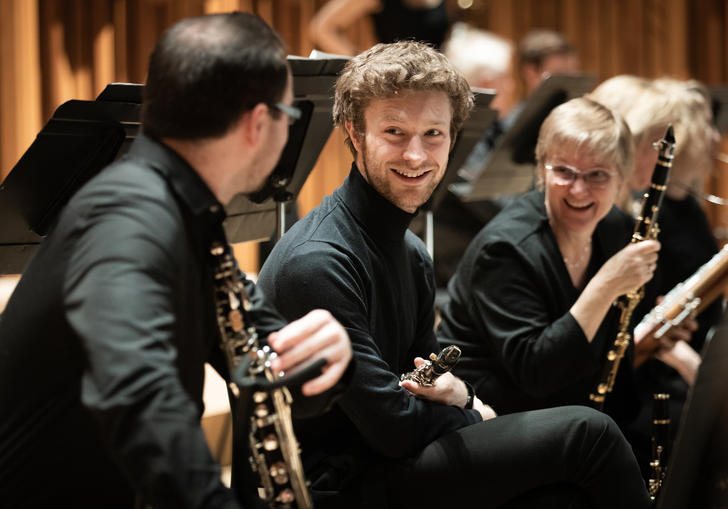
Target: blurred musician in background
{"x":485,"y":60}
{"x":391,"y":444}
{"x":542,"y":52}
{"x":649,"y":106}
{"x":531,"y":302}
{"x":687,"y":241}
{"x":104,"y":340}
{"x":394,"y":20}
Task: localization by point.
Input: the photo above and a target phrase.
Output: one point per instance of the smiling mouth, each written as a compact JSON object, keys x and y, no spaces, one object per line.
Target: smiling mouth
{"x":410,"y":174}
{"x":579,"y":206}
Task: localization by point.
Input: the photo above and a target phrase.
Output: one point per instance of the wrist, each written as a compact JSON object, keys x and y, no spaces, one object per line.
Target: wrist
{"x":470,"y":396}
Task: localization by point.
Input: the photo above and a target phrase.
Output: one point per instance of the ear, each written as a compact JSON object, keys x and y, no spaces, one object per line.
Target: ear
{"x":253,"y":124}
{"x":452,"y":141}
{"x":349,"y":126}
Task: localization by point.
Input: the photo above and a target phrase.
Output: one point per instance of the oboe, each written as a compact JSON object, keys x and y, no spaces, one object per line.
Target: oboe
{"x":646,"y":228}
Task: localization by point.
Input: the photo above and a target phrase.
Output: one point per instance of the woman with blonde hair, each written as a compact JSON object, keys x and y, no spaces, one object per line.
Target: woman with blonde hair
{"x":531,"y":301}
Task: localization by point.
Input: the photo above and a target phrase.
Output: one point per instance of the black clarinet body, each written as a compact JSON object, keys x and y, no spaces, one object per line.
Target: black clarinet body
{"x":646,"y":228}
{"x":660,"y":442}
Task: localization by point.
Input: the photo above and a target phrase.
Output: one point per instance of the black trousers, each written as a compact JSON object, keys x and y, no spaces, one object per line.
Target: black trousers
{"x":560,"y":457}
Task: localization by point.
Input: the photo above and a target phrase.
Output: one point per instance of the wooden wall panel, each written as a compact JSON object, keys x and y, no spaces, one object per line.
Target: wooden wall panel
{"x":55,"y":50}
{"x":20,"y":87}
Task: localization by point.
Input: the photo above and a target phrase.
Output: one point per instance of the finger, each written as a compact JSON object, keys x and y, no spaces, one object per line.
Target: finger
{"x":649,"y":246}
{"x":308,"y":346}
{"x":419,"y":361}
{"x":691,"y":324}
{"x":294,"y":332}
{"x":330,"y":375}
{"x":416,"y":389}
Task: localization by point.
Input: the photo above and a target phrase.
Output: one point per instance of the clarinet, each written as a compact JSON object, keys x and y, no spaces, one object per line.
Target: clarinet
{"x":273,"y":444}
{"x":660,"y":441}
{"x":434,"y":367}
{"x":646,"y":228}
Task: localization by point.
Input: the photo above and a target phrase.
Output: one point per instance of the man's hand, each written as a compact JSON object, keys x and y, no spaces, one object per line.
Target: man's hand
{"x":449,"y":390}
{"x":486,"y":412}
{"x":315,"y":336}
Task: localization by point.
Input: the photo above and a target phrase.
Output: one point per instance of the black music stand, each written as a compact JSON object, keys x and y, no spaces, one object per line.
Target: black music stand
{"x":697,"y":474}
{"x":82,"y":137}
{"x":510,"y":168}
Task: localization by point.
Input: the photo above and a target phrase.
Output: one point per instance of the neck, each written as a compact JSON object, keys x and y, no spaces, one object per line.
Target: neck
{"x":213,"y":160}
{"x":573,"y":245}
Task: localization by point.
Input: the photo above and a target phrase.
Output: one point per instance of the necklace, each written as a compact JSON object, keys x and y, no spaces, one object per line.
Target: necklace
{"x":576,"y":264}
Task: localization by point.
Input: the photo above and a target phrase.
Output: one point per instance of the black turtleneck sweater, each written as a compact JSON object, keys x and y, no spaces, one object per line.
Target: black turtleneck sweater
{"x":354,"y":256}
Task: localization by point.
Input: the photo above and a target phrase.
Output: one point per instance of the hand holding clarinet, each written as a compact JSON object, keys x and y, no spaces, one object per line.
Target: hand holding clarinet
{"x":431,"y":379}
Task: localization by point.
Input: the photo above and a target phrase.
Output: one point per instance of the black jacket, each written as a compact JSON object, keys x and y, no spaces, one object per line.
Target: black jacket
{"x":103,"y":345}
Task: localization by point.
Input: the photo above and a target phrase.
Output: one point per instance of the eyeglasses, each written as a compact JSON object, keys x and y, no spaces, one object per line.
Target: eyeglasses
{"x":565,"y":175}
{"x":291,"y":112}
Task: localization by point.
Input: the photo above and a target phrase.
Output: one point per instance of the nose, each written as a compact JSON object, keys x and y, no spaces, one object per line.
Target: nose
{"x":579,"y":185}
{"x":414,"y":153}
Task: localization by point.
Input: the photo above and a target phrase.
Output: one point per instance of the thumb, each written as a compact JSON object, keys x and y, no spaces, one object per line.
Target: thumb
{"x":419,"y":361}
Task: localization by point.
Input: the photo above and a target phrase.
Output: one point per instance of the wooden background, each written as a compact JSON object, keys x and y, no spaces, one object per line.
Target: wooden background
{"x":55,"y":50}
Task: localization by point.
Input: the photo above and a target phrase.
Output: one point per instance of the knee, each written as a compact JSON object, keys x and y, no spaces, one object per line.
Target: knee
{"x":593,"y":419}
{"x":590,"y":427}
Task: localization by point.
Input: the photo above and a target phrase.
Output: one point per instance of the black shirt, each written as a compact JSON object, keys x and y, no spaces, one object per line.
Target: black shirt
{"x":354,"y":256}
{"x":398,"y":22}
{"x":508,"y":310}
{"x":103,"y":344}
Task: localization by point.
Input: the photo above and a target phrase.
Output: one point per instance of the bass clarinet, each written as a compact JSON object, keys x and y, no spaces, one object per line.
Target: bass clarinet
{"x":646,"y":228}
{"x":273,"y":445}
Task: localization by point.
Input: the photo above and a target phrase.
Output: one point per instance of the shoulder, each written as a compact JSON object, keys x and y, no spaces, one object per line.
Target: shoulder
{"x":314,"y":251}
{"x":126,"y":184}
{"x":520,"y":224}
{"x":416,"y":247}
{"x":126,"y":207}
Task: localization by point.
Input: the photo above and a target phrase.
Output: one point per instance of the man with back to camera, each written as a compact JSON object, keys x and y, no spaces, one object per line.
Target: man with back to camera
{"x":391,"y":444}
{"x":103,"y":344}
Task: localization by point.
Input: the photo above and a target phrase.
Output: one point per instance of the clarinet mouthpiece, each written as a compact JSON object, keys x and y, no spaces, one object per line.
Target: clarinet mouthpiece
{"x":670,"y":134}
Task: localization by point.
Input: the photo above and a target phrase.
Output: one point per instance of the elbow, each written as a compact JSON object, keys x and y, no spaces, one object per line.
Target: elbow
{"x":394,"y":449}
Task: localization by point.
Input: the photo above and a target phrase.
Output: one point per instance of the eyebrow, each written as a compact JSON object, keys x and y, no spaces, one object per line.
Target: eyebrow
{"x":395,"y":118}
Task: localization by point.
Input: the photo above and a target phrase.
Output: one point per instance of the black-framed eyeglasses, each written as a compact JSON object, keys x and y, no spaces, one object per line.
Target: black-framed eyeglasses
{"x":291,"y":112}
{"x":565,"y":175}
